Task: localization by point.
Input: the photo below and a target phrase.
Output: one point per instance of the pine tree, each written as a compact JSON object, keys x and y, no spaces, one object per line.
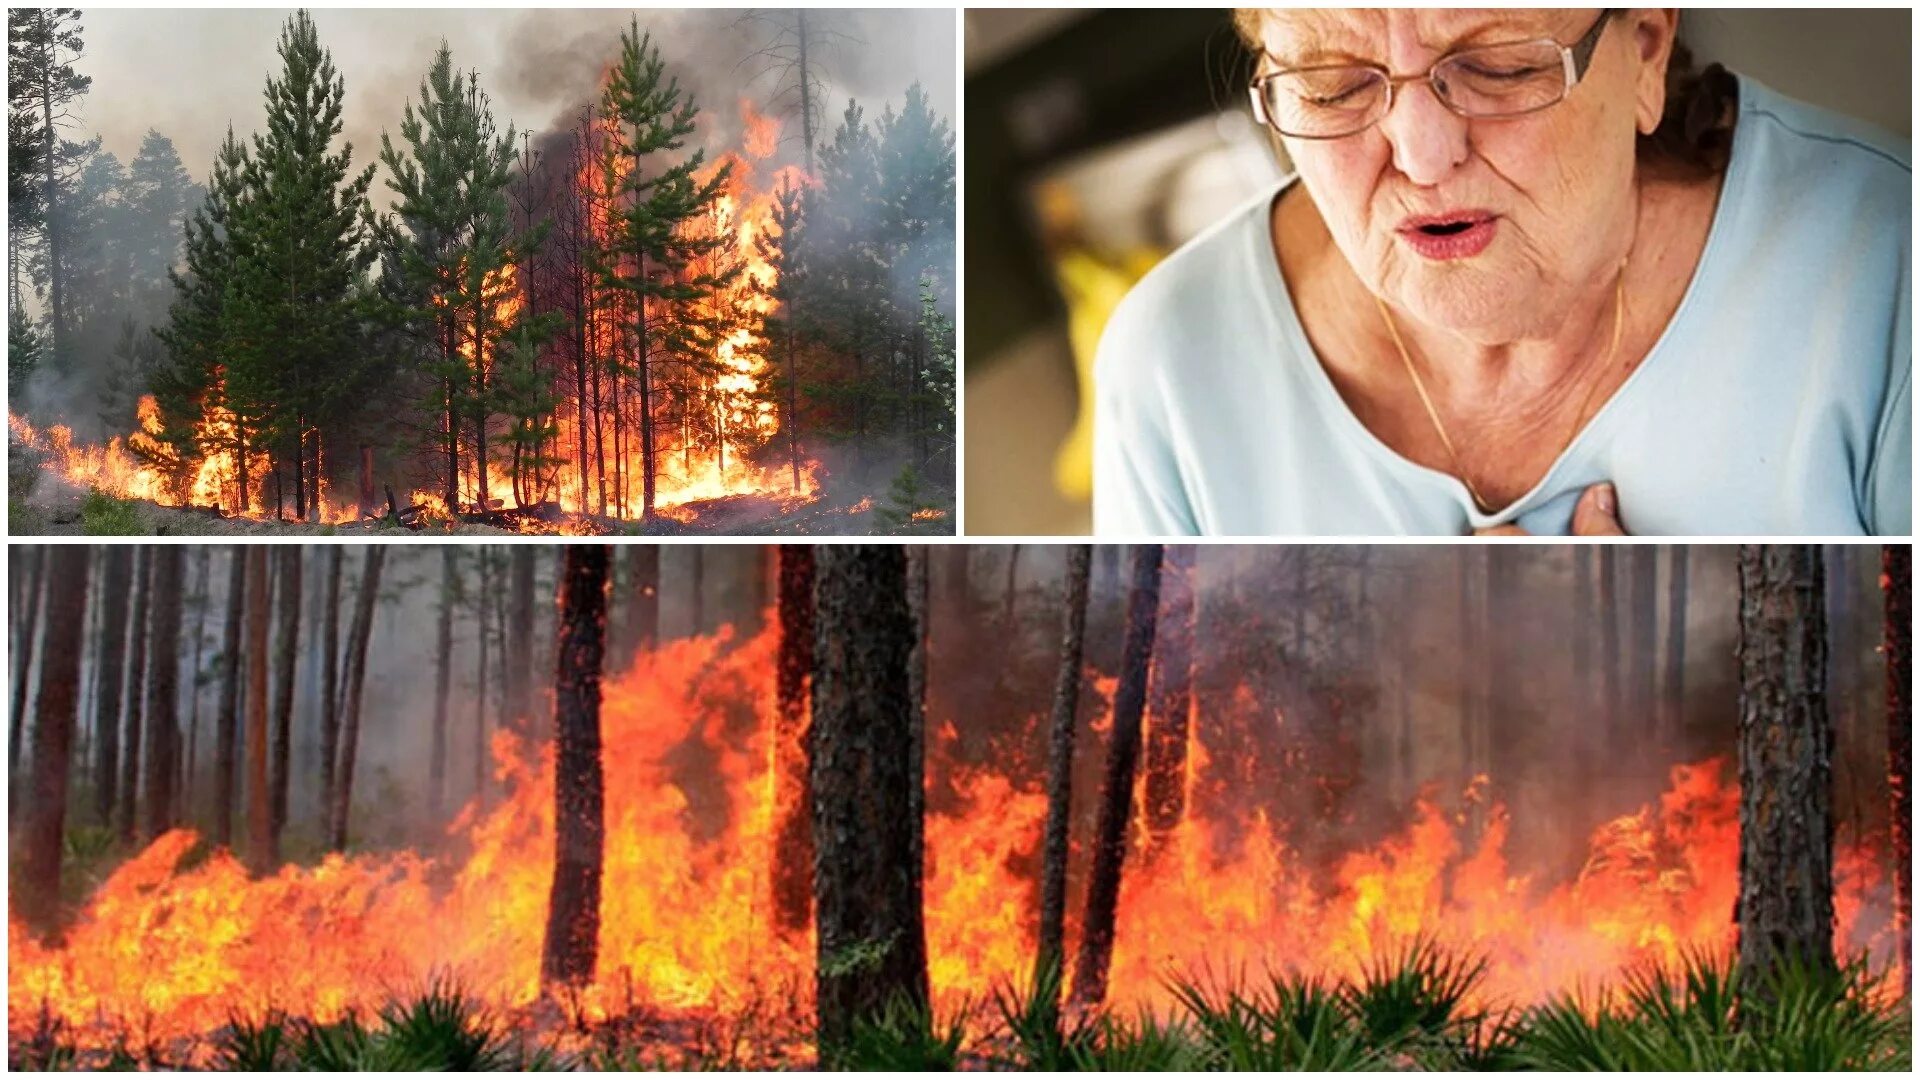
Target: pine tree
{"x":43,"y":45}
{"x":650,"y":257}
{"x":573,"y":908}
{"x":780,"y":249}
{"x":37,"y":883}
{"x":158,"y":197}
{"x":295,"y":366}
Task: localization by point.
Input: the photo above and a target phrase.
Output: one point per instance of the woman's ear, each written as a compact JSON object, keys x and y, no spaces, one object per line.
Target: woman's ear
{"x":1654,"y":31}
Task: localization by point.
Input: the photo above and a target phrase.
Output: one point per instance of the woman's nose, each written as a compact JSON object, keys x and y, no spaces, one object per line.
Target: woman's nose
{"x":1428,"y":139}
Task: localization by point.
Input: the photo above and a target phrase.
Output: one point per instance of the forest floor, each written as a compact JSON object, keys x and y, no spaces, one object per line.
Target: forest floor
{"x":55,"y":506}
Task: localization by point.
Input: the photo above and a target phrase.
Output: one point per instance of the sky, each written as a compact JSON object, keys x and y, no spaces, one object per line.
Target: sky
{"x":190,"y":73}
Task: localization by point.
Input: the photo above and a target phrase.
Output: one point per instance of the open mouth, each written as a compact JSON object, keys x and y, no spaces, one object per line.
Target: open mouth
{"x":1447,"y":228}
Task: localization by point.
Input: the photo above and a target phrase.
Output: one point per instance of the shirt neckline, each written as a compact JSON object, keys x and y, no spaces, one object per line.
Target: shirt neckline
{"x":1278,"y":303}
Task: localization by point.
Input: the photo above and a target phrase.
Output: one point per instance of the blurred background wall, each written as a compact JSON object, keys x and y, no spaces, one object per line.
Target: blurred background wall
{"x":1099,"y":140}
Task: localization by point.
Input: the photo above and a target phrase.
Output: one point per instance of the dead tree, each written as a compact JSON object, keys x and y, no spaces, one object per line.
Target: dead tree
{"x":1116,"y":793}
{"x":134,"y":733}
{"x":1165,"y":791}
{"x":260,"y":856}
{"x":870,"y":935}
{"x":357,"y":640}
{"x":36,"y":885}
{"x":442,"y":679}
{"x":286,"y":651}
{"x":226,"y":741}
{"x":1051,"y":957}
{"x":573,"y":907}
{"x":1785,"y":909}
{"x":163,"y":690}
{"x":1896,"y":580}
{"x":111,"y":658}
{"x":793,"y":849}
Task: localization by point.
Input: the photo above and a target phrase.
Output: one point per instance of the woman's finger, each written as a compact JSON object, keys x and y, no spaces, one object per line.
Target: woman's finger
{"x":1598,"y":513}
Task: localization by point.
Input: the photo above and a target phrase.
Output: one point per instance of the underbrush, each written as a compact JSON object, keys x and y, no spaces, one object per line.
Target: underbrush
{"x":1410,"y":1010}
{"x":103,"y":515}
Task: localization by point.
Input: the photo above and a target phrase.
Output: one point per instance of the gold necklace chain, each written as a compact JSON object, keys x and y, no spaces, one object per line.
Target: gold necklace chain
{"x":1433,"y":413}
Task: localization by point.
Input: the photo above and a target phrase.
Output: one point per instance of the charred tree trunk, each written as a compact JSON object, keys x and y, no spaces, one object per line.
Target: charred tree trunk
{"x":793,"y":850}
{"x":573,"y":907}
{"x":1165,"y":791}
{"x":1610,"y":641}
{"x":260,"y":855}
{"x":36,"y":887}
{"x":1642,"y":665}
{"x":643,"y":601}
{"x":696,"y":591}
{"x":202,"y":573}
{"x":442,"y":679}
{"x":111,"y":660}
{"x":23,"y":652}
{"x":1011,"y":592}
{"x":1896,"y":579}
{"x":1116,"y":793}
{"x":285,"y":656}
{"x":518,"y":649}
{"x":485,"y":561}
{"x":226,"y":743}
{"x":163,"y":691}
{"x":917,"y":588}
{"x":357,"y":639}
{"x":871,"y":940}
{"x":330,"y":679}
{"x":134,"y":733}
{"x":1052,"y":955}
{"x":1785,"y":909}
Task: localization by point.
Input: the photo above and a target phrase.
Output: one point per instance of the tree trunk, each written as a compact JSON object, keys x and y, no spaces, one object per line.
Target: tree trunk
{"x":518,"y":649}
{"x":793,"y":848}
{"x":163,"y":691}
{"x":1012,"y":590}
{"x":1610,"y":643}
{"x":485,"y":561}
{"x":573,"y":907}
{"x":110,"y":658}
{"x":330,"y":679}
{"x":357,"y":638}
{"x":22,"y":658}
{"x":1896,"y":579}
{"x":36,"y":885}
{"x":286,"y":655}
{"x":642,"y":609}
{"x":1645,"y":611}
{"x":1165,"y":791}
{"x":871,"y":938}
{"x":917,"y":589}
{"x":202,"y":573}
{"x":226,"y":744}
{"x":1785,"y":909}
{"x":442,"y":677}
{"x":134,"y":690}
{"x":696,"y":592}
{"x":260,"y":855}
{"x":1051,"y":958}
{"x":1116,"y":793}
{"x":1674,"y":694}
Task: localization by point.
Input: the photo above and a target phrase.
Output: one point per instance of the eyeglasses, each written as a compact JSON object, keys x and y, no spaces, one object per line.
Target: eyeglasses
{"x":1484,"y":82}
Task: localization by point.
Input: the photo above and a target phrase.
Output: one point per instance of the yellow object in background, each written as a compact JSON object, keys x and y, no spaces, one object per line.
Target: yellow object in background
{"x":1092,"y":286}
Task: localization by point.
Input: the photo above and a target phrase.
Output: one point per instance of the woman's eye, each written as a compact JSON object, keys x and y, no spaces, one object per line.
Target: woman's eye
{"x":1506,"y":74}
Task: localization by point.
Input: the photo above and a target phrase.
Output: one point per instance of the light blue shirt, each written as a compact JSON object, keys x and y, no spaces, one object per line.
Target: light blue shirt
{"x":1776,"y":402}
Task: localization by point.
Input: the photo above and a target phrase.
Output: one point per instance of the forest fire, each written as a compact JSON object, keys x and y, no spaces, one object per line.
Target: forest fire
{"x":172,"y":948}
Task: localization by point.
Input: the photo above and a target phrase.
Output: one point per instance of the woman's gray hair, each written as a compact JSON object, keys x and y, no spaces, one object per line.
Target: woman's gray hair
{"x":1695,"y":130}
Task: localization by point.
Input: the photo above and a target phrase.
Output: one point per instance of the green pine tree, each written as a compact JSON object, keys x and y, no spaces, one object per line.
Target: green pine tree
{"x":43,"y":45}
{"x":781,"y":248}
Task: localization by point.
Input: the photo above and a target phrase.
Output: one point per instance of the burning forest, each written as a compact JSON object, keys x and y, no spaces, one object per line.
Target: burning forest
{"x":649,"y":311}
{"x":455,"y":806}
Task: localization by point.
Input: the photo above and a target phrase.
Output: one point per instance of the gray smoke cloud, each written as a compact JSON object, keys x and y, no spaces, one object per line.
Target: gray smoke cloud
{"x":190,"y":73}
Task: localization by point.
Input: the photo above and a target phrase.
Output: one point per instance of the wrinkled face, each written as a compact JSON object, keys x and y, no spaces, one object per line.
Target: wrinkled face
{"x":1487,"y":227}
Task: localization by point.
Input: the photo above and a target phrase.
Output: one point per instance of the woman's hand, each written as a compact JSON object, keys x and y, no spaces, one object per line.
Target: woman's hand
{"x":1596,"y":514}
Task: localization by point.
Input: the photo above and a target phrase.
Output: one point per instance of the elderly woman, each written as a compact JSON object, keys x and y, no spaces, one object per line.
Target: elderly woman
{"x":1535,"y":276}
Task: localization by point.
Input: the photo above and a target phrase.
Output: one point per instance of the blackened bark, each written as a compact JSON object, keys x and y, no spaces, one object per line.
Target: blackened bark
{"x":917,"y":586}
{"x":793,"y":847}
{"x":163,"y":691}
{"x":442,"y":678}
{"x":1896,"y":581}
{"x":330,"y":679}
{"x":111,"y":659}
{"x":1165,"y":790}
{"x":286,"y":652}
{"x":518,"y":649}
{"x":135,"y":732}
{"x":1052,"y":955}
{"x":23,"y":653}
{"x":357,"y":639}
{"x":641,"y":614}
{"x":871,"y":938}
{"x":36,"y":887}
{"x":573,"y":908}
{"x":1785,"y":909}
{"x":202,"y":572}
{"x":226,"y":743}
{"x":260,"y":855}
{"x":480,"y":755}
{"x":1116,"y":793}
